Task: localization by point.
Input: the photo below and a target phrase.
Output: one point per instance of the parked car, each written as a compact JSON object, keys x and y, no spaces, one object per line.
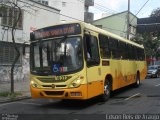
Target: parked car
{"x":153,"y":71}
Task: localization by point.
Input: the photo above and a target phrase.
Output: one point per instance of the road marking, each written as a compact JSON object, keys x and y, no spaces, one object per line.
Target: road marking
{"x":135,"y":95}
{"x":157,"y":85}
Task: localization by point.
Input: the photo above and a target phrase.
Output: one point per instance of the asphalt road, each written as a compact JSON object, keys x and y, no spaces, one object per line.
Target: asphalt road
{"x":130,"y":100}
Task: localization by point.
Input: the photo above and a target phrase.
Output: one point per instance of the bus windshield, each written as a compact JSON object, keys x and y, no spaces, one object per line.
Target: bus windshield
{"x":56,"y":56}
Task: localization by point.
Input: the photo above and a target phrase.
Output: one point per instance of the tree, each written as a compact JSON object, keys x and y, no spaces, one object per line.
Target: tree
{"x":151,"y":44}
{"x":14,"y":6}
{"x":156,"y":34}
{"x":150,"y":41}
{"x":155,"y":13}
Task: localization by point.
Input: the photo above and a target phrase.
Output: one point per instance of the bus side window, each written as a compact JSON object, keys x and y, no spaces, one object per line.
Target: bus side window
{"x":88,"y":46}
{"x":140,"y":54}
{"x":113,"y":47}
{"x":92,"y":50}
{"x":122,"y":50}
{"x":104,"y":46}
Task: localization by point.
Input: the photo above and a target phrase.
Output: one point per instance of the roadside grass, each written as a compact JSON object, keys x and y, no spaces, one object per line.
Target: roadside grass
{"x":10,"y":95}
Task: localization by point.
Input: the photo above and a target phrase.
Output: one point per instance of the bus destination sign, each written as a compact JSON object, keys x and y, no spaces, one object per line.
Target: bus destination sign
{"x":56,"y":31}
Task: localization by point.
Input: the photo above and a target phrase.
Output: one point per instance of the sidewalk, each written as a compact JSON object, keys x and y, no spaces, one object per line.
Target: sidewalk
{"x":21,"y":88}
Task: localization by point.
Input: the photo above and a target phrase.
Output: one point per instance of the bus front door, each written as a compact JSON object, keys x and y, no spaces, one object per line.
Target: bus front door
{"x":95,"y":84}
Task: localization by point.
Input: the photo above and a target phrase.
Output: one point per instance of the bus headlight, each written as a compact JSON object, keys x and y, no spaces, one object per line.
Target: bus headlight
{"x":34,"y":84}
{"x":77,"y":82}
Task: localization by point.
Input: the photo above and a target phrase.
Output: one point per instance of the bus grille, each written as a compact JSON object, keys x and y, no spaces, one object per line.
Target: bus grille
{"x":50,"y":86}
{"x":54,"y":92}
{"x":53,"y":80}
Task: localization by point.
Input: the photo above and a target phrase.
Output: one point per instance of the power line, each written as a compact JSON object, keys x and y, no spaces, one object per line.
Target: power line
{"x":140,"y":10}
{"x":137,"y":13}
{"x":118,"y":31}
{"x":101,"y":7}
{"x":113,"y":11}
{"x":114,"y":29}
{"x":50,"y":11}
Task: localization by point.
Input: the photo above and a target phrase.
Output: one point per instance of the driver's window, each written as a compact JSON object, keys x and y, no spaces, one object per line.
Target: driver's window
{"x":36,"y":56}
{"x":92,"y":49}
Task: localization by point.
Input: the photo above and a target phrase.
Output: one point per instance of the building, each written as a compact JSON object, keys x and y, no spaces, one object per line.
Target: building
{"x":34,"y":15}
{"x":45,"y":2}
{"x":88,"y":16}
{"x":148,"y":25}
{"x":117,"y":24}
{"x":73,"y":10}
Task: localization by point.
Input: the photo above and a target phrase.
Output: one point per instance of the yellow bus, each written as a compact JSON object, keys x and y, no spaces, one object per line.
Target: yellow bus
{"x":81,"y":61}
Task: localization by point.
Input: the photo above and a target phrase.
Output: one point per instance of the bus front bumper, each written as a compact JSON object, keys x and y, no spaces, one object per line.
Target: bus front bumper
{"x":69,"y":93}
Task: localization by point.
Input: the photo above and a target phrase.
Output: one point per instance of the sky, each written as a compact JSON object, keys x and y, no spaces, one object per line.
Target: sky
{"x":116,"y":6}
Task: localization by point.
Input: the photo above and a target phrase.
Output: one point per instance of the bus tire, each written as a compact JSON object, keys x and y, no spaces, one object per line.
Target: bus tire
{"x":107,"y":90}
{"x":138,"y":81}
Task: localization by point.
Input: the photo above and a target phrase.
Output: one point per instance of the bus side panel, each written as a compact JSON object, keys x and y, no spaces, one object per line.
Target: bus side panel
{"x":142,"y":67}
{"x":123,"y":73}
{"x":95,"y":88}
{"x":95,"y":83}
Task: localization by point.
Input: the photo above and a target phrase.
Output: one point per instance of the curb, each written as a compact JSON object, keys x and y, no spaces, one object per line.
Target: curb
{"x":14,"y":99}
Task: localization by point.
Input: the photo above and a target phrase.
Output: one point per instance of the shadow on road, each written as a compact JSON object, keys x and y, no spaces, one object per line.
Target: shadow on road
{"x":72,"y":104}
{"x":120,"y":93}
{"x":82,"y":104}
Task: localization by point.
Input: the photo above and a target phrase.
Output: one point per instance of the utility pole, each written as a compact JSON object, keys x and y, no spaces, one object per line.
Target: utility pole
{"x":128,"y":20}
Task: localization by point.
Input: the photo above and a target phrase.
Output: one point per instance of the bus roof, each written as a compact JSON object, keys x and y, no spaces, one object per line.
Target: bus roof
{"x":99,"y":30}
{"x":104,"y":32}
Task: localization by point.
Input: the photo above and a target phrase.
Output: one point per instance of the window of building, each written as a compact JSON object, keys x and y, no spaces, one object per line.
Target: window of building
{"x":99,"y":26}
{"x":9,"y":17}
{"x":8,"y":54}
{"x":64,"y":4}
{"x":132,"y":30}
{"x":45,"y":2}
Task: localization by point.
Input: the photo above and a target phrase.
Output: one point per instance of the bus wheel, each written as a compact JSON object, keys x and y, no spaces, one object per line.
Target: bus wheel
{"x":107,"y":91}
{"x":138,"y":82}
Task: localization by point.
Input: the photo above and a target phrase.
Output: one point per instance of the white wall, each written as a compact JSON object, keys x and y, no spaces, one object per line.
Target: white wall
{"x":34,"y":17}
{"x":72,"y":8}
{"x":5,"y":34}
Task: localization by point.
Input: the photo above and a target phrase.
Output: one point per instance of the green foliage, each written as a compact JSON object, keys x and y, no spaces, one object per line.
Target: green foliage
{"x":10,"y":95}
{"x":150,"y":42}
{"x":4,"y":94}
{"x":155,"y":13}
